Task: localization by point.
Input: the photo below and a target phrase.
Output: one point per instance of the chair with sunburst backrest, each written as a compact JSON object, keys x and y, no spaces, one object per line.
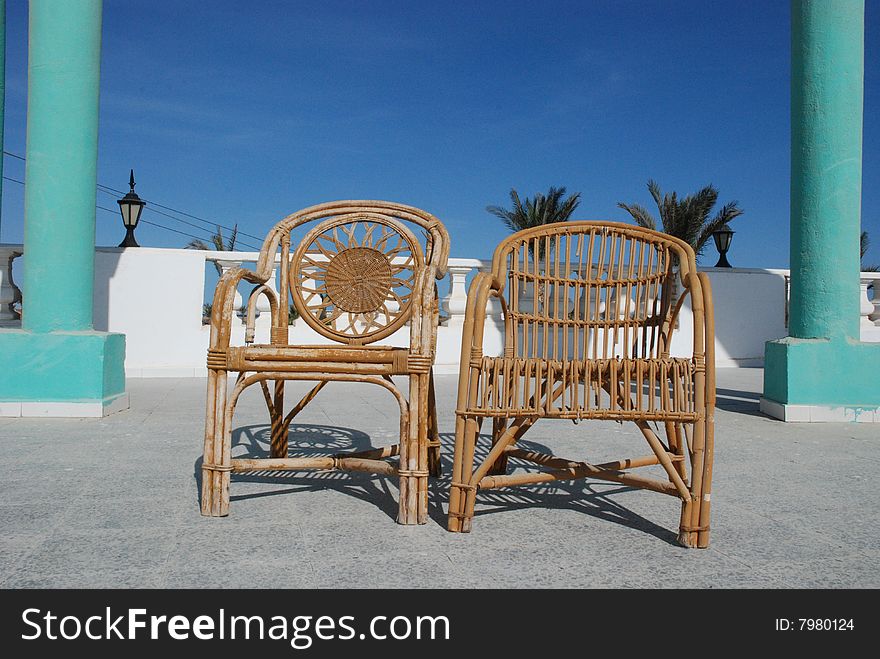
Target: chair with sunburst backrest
{"x":363,"y":271}
{"x":589,"y":312}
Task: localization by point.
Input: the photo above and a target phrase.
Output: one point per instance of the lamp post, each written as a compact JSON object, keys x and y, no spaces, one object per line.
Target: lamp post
{"x":130,"y":206}
{"x":723,"y":237}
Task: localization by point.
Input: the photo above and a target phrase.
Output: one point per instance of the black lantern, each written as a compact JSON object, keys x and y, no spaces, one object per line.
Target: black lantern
{"x":722,"y":237}
{"x":130,"y":206}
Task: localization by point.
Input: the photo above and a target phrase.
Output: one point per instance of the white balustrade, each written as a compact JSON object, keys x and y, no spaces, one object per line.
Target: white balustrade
{"x":9,"y":292}
{"x":225,"y":266}
{"x":748,"y":303}
{"x":869,"y":307}
{"x":866,"y":308}
{"x":455,"y":302}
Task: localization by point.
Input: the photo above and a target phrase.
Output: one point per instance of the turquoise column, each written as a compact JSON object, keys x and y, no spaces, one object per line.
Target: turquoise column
{"x":2,"y":101}
{"x":822,"y":364}
{"x":827,"y":82}
{"x":64,"y":64}
{"x":57,"y":357}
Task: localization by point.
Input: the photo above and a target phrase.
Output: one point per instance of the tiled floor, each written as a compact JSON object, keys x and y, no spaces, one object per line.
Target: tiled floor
{"x":114,"y":503}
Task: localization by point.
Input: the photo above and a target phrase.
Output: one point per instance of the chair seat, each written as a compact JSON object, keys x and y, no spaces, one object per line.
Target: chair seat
{"x":649,"y":389}
{"x":367,"y":360}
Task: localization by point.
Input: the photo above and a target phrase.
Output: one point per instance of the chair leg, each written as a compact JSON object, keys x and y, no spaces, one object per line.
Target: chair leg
{"x":422,"y":440}
{"x":676,"y":444}
{"x":216,"y":458}
{"x":705,"y":506}
{"x":685,"y":537}
{"x":499,"y":468}
{"x":413,"y":468}
{"x":278,"y":447}
{"x":689,"y":526}
{"x":462,"y":495}
{"x":435,"y":467}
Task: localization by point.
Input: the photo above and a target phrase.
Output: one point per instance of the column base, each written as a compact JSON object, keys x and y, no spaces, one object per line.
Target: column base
{"x":89,"y":409}
{"x":819,"y":413}
{"x":62,"y":374}
{"x":820,"y":380}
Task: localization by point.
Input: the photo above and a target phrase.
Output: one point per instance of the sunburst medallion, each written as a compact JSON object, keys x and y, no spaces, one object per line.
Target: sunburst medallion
{"x":355,"y":278}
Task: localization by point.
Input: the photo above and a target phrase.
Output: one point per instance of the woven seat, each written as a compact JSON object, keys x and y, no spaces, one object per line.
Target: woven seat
{"x":589,"y":312}
{"x":576,"y":389}
{"x":359,"y":274}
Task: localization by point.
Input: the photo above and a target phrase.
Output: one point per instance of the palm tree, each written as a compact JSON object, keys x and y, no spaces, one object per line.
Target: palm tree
{"x":864,"y":243}
{"x":688,"y":218}
{"x":219,"y":245}
{"x":227,"y":245}
{"x":536,"y":212}
{"x":218,"y":242}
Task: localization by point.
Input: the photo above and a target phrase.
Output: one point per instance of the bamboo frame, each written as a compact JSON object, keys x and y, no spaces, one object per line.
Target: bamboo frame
{"x":373,"y":274}
{"x":589,"y":312}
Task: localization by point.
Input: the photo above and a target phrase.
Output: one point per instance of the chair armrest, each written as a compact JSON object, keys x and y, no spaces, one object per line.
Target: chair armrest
{"x":424,"y":317}
{"x":439,"y":255}
{"x":709,"y":321}
{"x":698,"y":287}
{"x":221,"y":308}
{"x":251,"y":314}
{"x":482,"y":287}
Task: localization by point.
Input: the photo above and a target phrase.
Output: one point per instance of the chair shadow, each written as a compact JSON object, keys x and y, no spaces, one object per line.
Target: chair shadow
{"x":739,"y":402}
{"x":589,"y":497}
{"x":309,"y":440}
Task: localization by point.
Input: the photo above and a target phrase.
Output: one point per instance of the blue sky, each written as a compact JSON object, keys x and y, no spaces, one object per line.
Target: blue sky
{"x":246,"y":111}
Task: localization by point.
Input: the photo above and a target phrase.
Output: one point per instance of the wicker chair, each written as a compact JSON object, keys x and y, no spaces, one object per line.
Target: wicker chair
{"x":359,"y":275}
{"x":589,"y":312}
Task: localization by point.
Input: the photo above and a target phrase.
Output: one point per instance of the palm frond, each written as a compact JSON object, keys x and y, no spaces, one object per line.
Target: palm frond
{"x":526,"y":213}
{"x":542,"y":209}
{"x":195,"y":243}
{"x":654,"y":189}
{"x":641,"y":216}
{"x":687,"y":218}
{"x":217,"y":244}
{"x":694,"y":213}
{"x":864,"y":244}
{"x":217,"y":239}
{"x":724,"y":216}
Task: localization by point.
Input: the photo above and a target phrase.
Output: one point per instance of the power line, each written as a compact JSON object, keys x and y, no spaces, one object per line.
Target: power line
{"x":115,"y":212}
{"x":174,"y":210}
{"x":182,"y":233}
{"x":153,"y":210}
{"x":161,"y":226}
{"x":213,"y":225}
{"x":177,"y":219}
{"x":106,"y":189}
{"x":156,"y":224}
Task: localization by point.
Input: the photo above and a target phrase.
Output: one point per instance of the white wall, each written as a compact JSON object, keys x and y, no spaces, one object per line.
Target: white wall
{"x":749,"y":311}
{"x":154,"y":296}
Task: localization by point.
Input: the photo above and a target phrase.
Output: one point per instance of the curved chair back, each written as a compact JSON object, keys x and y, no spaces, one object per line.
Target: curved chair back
{"x":363,"y":268}
{"x":589,"y":290}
